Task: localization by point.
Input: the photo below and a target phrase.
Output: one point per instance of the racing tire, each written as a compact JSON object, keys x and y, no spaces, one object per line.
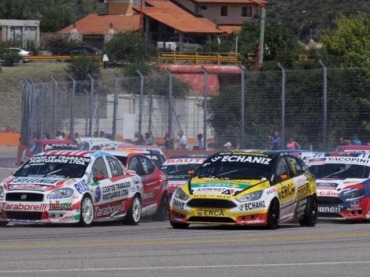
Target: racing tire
{"x":273,"y":215}
{"x":162,"y":212}
{"x":87,"y":211}
{"x":309,"y":218}
{"x":134,"y":213}
{"x":179,"y":225}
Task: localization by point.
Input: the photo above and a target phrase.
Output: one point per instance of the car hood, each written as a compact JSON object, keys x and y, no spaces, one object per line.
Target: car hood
{"x":36,"y":183}
{"x":215,"y":186}
{"x":336,"y":184}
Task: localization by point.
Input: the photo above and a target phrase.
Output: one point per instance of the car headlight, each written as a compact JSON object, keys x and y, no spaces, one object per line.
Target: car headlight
{"x":1,"y":192}
{"x":355,"y":193}
{"x":61,"y":193}
{"x":180,"y":194}
{"x":250,"y":196}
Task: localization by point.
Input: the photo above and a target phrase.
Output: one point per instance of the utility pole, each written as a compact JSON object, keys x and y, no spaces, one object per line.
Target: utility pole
{"x":261,"y":44}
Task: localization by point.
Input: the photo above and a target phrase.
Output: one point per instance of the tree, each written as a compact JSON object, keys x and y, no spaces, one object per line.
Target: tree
{"x":348,"y":43}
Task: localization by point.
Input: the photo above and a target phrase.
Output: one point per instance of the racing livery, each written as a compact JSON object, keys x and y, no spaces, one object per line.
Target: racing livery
{"x":247,"y":187}
{"x":71,"y":187}
{"x":179,"y":169}
{"x":343,"y":185}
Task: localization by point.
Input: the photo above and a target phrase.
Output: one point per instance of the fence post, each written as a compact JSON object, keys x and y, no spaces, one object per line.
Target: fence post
{"x":325,"y":114}
{"x":141,"y":101}
{"x":205,"y":106}
{"x":42,"y":113}
{"x":242,"y":106}
{"x":115,"y":105}
{"x":170,"y":86}
{"x":55,"y":104}
{"x":283,"y":81}
{"x":71,"y":122}
{"x":91,"y":104}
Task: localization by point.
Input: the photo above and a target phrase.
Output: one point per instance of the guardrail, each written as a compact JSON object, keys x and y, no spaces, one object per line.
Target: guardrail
{"x":63,"y":58}
{"x":179,"y":57}
{"x":163,"y":57}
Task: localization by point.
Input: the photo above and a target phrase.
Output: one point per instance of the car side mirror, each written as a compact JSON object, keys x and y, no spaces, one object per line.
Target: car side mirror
{"x":283,"y":177}
{"x":98,"y":177}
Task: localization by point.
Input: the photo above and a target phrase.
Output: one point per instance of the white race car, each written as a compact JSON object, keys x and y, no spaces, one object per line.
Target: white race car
{"x":71,"y":187}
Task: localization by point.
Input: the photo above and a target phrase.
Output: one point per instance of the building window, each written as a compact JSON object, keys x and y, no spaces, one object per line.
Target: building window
{"x":223,"y":10}
{"x":203,"y":8}
{"x":246,"y":11}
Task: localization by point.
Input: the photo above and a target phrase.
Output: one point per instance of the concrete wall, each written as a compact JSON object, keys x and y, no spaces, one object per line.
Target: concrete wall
{"x":20,"y":31}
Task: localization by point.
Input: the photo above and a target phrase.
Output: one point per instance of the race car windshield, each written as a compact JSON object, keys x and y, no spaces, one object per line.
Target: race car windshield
{"x":236,"y":167}
{"x":179,"y":172}
{"x":62,"y":166}
{"x":340,"y":171}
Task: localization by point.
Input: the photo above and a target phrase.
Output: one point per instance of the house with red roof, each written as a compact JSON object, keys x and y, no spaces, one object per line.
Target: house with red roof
{"x":160,"y":19}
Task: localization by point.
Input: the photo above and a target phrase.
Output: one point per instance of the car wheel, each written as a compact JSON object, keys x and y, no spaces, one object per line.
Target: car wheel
{"x":87,"y":211}
{"x":3,"y":223}
{"x":162,"y":211}
{"x":179,"y":225}
{"x":134,"y":213}
{"x":309,"y":218}
{"x":273,"y":215}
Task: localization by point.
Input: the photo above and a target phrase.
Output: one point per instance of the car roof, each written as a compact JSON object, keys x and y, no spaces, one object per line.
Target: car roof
{"x":179,"y":156}
{"x":74,"y":153}
{"x":56,"y":141}
{"x":125,"y":153}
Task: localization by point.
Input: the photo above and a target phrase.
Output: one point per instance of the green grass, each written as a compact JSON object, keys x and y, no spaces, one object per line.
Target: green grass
{"x":11,"y":87}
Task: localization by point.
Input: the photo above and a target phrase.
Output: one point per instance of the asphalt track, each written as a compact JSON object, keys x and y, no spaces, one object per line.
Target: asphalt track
{"x":332,"y":248}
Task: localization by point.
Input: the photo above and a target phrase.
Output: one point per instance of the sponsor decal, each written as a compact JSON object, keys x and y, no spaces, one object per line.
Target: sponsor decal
{"x":60,"y":159}
{"x":57,"y":206}
{"x":82,"y":186}
{"x":184,"y":161}
{"x":177,"y":204}
{"x":26,"y":187}
{"x":329,"y":209}
{"x":326,"y":185}
{"x":286,"y":191}
{"x":97,"y":194}
{"x":24,"y":207}
{"x":210,"y":213}
{"x":36,"y":180}
{"x":303,"y":191}
{"x":348,"y":160}
{"x":246,"y":159}
{"x":327,"y":193}
{"x":252,"y":206}
{"x":115,"y":191}
{"x":149,"y":195}
{"x":107,"y":210}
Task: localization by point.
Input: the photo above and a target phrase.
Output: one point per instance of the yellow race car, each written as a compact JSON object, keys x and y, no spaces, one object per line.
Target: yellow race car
{"x":247,"y":187}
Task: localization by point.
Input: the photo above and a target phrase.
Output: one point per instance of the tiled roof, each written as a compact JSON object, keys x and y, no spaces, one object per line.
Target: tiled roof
{"x":230,"y":28}
{"x":100,"y":24}
{"x":173,"y":16}
{"x":261,"y":2}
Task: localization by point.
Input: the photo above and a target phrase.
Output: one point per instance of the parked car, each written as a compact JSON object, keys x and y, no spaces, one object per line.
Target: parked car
{"x":80,"y":187}
{"x":180,"y":168}
{"x":343,"y":185}
{"x":85,"y":50}
{"x":173,"y":44}
{"x":155,"y":185}
{"x":12,"y":55}
{"x":247,"y":187}
{"x":19,"y":51}
{"x":47,"y":145}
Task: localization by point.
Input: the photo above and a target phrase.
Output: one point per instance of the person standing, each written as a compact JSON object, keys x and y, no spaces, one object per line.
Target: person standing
{"x":200,"y":141}
{"x":275,"y":143}
{"x":105,"y":60}
{"x":292,"y":144}
{"x":168,"y":142}
{"x":182,"y":141}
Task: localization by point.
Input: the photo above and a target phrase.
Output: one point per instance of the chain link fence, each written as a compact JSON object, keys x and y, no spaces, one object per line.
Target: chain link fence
{"x":315,"y":107}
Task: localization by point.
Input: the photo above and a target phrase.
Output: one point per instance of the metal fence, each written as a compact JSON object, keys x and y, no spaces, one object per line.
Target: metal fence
{"x":245,"y":107}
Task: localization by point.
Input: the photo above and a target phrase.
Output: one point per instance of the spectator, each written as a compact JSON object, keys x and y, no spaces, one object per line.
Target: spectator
{"x":343,"y":141}
{"x":148,"y":139}
{"x":228,"y":146}
{"x":102,"y":134}
{"x":200,"y":141}
{"x":96,"y":134}
{"x":292,"y":144}
{"x":7,"y":128}
{"x":275,"y":143}
{"x":105,"y":60}
{"x":58,"y":135}
{"x":168,"y":142}
{"x":76,"y":138}
{"x":356,"y":140}
{"x":47,"y":136}
{"x":182,"y":141}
